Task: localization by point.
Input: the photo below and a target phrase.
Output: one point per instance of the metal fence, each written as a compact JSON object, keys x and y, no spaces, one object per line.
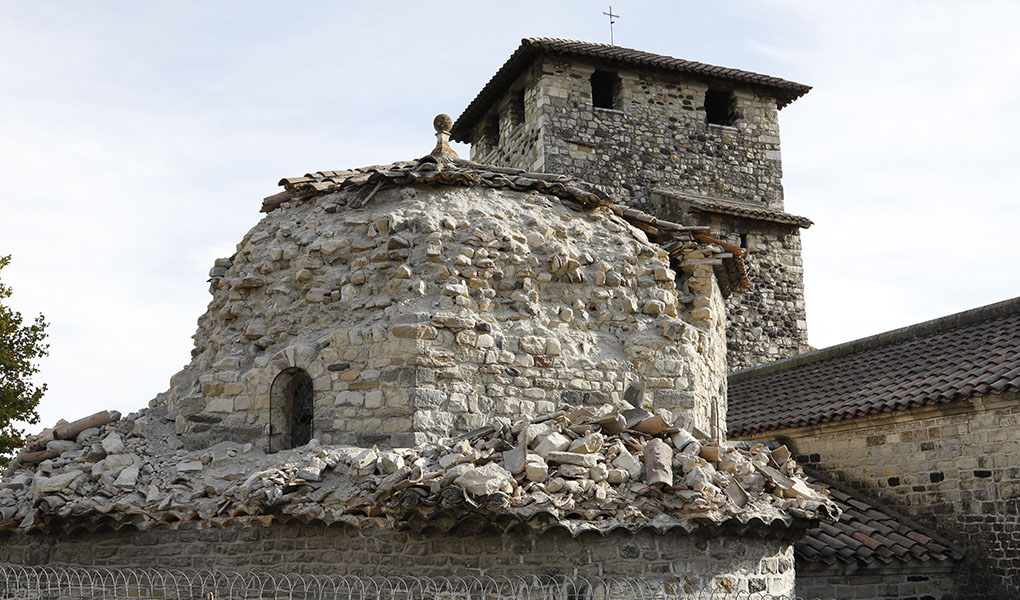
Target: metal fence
{"x":44,"y":583}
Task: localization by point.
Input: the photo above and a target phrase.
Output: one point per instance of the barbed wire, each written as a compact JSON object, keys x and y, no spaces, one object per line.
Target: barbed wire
{"x":53,"y":583}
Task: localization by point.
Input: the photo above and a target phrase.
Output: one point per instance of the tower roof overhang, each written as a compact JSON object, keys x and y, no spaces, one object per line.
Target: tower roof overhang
{"x":785,"y":91}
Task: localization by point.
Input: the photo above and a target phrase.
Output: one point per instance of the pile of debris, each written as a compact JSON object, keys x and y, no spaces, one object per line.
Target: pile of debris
{"x":583,"y":468}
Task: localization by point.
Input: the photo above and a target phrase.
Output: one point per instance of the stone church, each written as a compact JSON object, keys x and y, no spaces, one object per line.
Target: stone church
{"x":513,"y":364}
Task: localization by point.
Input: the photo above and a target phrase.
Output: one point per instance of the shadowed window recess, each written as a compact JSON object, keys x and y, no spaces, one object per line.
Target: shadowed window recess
{"x":719,"y":108}
{"x":517,"y":108}
{"x":291,"y":410}
{"x":605,"y":89}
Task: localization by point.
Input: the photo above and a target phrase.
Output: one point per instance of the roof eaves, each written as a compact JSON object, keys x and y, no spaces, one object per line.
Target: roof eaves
{"x":786,"y":91}
{"x":743,"y":210}
{"x":888,"y":338}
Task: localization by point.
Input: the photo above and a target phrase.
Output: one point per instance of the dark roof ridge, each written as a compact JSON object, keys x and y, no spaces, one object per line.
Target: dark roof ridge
{"x":786,"y":91}
{"x":697,"y":196}
{"x":736,"y":208}
{"x":817,"y":475}
{"x":917,"y":330}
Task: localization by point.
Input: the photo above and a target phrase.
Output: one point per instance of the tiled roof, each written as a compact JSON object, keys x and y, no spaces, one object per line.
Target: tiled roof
{"x":961,"y":356}
{"x":785,"y":91}
{"x":364,"y":183}
{"x":866,"y":534}
{"x":744,"y":210}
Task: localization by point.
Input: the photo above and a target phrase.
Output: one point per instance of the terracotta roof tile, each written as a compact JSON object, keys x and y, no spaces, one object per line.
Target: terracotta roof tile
{"x":961,"y":356}
{"x":707,"y":204}
{"x":785,"y":91}
{"x":866,"y":533}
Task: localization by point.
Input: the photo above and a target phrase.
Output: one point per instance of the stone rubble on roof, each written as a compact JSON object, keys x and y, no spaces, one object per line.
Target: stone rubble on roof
{"x":596,"y":468}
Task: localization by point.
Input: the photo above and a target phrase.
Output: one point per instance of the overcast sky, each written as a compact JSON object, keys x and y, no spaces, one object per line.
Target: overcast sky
{"x":137,"y":140}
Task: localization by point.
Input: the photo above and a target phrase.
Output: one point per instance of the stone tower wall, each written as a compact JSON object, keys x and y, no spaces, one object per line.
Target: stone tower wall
{"x":430,"y":311}
{"x":658,"y":136}
{"x":768,"y":321}
{"x":659,"y":139}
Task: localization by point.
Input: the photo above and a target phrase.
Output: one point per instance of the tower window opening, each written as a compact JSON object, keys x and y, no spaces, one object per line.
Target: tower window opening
{"x":605,"y":89}
{"x":491,"y":132}
{"x":719,"y":107}
{"x":292,"y":408}
{"x":517,"y":108}
{"x":743,"y":240}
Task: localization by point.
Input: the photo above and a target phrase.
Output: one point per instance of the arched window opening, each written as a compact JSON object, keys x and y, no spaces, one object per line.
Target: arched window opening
{"x":292,"y":410}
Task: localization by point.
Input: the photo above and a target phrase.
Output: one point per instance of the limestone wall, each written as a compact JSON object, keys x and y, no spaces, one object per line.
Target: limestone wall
{"x":954,"y":468}
{"x":820,"y":582}
{"x":726,"y":562}
{"x":428,"y":312}
{"x":657,"y":137}
{"x":768,"y":321}
{"x":505,"y":139}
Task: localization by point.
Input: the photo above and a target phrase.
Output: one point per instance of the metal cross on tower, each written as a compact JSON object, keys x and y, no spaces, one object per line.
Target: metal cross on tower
{"x":612,"y":22}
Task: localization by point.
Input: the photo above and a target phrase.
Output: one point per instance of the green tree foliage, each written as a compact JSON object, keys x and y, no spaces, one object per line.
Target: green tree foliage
{"x":20,"y":345}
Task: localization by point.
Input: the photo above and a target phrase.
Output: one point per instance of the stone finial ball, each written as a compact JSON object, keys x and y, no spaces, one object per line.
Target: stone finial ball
{"x":442,"y":123}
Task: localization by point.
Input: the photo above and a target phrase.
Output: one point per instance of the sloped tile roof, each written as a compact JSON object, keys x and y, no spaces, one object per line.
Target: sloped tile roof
{"x":961,"y":356}
{"x":708,"y":204}
{"x":867,"y":534}
{"x":785,"y":91}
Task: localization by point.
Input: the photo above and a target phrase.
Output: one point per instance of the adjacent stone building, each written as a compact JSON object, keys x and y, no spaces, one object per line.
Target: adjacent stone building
{"x":685,"y":141}
{"x":924,"y":418}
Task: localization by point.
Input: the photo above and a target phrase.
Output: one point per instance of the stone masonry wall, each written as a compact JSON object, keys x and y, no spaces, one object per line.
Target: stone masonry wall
{"x":506,"y":139}
{"x":657,"y":137}
{"x":954,"y":468}
{"x":821,"y":582}
{"x":738,"y":564}
{"x":427,"y":313}
{"x":768,"y":321}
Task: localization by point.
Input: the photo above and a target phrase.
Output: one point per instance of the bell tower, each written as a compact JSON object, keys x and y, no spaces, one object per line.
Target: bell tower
{"x":683,"y":140}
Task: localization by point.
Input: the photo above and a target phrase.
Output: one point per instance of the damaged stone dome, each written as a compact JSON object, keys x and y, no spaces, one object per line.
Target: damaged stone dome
{"x":430,"y":344}
{"x":404,"y":303}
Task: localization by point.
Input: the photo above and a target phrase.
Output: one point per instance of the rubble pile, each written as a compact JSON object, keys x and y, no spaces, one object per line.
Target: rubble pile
{"x":595,"y":468}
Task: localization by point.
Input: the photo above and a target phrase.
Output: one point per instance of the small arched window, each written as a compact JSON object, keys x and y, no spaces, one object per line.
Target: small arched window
{"x":292,"y":408}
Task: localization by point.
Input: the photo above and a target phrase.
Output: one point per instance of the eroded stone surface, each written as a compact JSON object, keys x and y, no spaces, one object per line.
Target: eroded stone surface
{"x":428,"y":311}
